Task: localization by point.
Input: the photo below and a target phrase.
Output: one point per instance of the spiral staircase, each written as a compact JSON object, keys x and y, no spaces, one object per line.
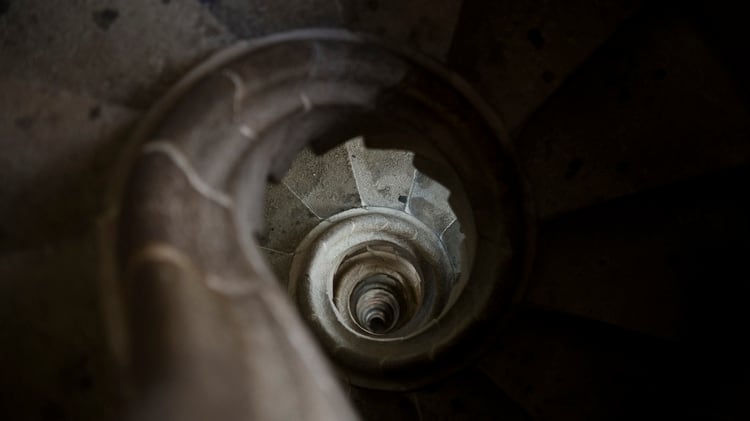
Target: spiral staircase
{"x":608,"y":152}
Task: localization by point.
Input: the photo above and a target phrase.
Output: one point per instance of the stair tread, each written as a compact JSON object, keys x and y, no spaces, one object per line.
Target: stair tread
{"x":288,"y":219}
{"x":324,"y":183}
{"x":633,"y":262}
{"x":517,"y":53}
{"x":652,"y":107}
{"x":384,"y":177}
{"x":428,"y":202}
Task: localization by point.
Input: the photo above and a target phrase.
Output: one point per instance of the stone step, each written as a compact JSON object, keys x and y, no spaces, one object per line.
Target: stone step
{"x":649,"y":263}
{"x":654,"y":106}
{"x":517,"y":53}
{"x":347,"y":177}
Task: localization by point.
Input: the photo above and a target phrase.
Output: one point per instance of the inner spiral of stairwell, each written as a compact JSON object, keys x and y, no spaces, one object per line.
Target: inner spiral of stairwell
{"x":361,"y":234}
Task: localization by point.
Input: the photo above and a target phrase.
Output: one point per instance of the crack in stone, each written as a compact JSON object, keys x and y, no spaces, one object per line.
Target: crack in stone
{"x":294,"y":193}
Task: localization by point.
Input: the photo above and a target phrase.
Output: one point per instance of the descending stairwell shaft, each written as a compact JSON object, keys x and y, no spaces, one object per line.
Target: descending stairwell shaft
{"x":367,"y":245}
{"x":402,"y":251}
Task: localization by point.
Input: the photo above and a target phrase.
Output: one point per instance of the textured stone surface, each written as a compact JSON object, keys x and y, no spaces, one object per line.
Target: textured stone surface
{"x":57,"y":150}
{"x":287,"y":218}
{"x":324,"y":183}
{"x":125,"y":51}
{"x":384,"y":177}
{"x":226,"y":323}
{"x":428,"y":201}
{"x":254,"y":18}
{"x":453,"y":238}
{"x":280,"y":263}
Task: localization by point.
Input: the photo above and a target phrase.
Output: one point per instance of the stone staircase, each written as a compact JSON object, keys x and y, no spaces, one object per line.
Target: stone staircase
{"x":630,"y":121}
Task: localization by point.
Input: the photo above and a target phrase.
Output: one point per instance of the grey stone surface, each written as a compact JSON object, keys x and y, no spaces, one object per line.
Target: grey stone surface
{"x":318,"y":187}
{"x":428,"y":202}
{"x":124,"y":51}
{"x":207,"y":323}
{"x":324,"y":183}
{"x":287,"y":218}
{"x":57,"y":150}
{"x":384,"y":177}
{"x":453,"y":238}
{"x":280,"y":264}
{"x":253,"y":18}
